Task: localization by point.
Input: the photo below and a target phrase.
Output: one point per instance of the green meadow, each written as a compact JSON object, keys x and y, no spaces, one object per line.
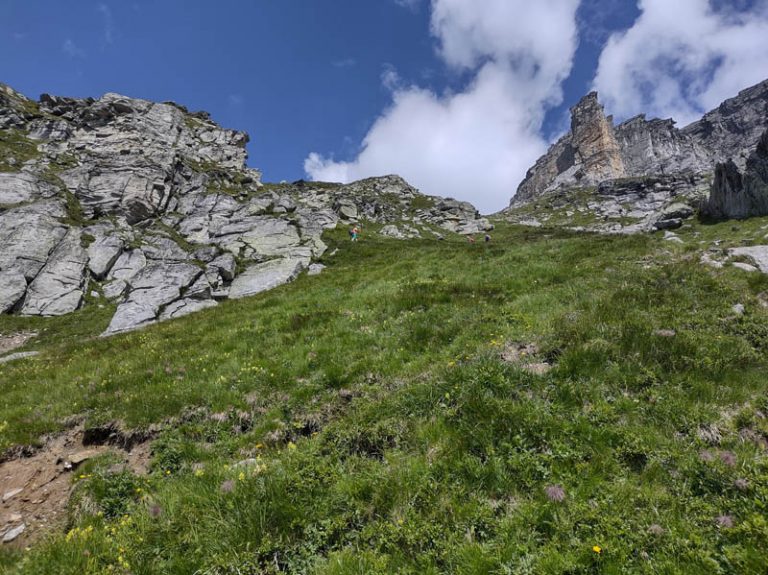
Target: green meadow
{"x":377,"y":419}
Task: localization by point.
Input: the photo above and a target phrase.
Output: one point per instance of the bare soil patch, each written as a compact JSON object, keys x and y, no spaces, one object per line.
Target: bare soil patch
{"x":525,"y":355}
{"x":35,"y":490}
{"x":9,"y":342}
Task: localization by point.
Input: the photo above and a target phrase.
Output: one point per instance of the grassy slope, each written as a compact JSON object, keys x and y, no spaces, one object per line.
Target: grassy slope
{"x":389,"y":435}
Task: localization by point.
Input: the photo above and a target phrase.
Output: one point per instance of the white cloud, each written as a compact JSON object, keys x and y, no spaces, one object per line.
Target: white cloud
{"x":106,"y":14}
{"x":681,"y":59}
{"x":72,"y":50}
{"x":476,"y":144}
{"x":411,"y":5}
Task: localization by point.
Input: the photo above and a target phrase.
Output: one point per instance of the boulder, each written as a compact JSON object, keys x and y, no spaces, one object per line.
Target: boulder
{"x":263,"y":277}
{"x":758,"y":254}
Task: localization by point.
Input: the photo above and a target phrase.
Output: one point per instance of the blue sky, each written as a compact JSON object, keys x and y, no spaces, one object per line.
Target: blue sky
{"x":460,"y":96}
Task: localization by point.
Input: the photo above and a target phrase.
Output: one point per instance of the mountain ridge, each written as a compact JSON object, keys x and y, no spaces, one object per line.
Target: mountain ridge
{"x":656,"y":146}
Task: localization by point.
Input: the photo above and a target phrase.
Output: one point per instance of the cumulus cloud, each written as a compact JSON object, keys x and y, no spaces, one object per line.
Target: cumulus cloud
{"x":477,"y":143}
{"x":681,"y":59}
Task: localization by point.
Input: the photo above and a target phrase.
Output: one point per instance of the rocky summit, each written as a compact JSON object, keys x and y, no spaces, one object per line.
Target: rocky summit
{"x":636,"y":175}
{"x":152,"y":207}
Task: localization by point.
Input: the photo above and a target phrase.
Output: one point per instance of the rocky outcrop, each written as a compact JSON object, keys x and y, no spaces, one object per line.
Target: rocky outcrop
{"x":732,"y":130}
{"x":59,"y":287}
{"x":153,"y":208}
{"x":595,"y":151}
{"x":586,"y":156}
{"x":622,"y":206}
{"x":736,"y":194}
{"x":658,"y":147}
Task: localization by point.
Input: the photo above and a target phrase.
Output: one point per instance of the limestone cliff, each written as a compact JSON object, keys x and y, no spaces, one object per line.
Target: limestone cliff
{"x":587,"y":155}
{"x":595,"y":151}
{"x":153,"y":208}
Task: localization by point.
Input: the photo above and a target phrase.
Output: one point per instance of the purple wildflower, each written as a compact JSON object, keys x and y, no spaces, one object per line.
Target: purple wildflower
{"x":728,"y":457}
{"x":555,"y":493}
{"x":725,"y":521}
{"x":706,"y":455}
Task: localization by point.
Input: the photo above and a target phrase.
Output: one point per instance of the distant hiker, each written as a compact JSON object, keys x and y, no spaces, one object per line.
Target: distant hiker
{"x":487,"y":238}
{"x":354,"y":232}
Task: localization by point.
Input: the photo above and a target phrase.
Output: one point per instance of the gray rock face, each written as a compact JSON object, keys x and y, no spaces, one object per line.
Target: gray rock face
{"x":595,"y":151}
{"x":102,"y":255}
{"x":263,"y":277}
{"x":737,"y":194}
{"x":59,"y":287}
{"x":155,"y":208}
{"x":658,"y":147}
{"x":17,"y":188}
{"x":733,"y":129}
{"x":13,"y":286}
{"x":184,"y":307}
{"x":152,"y":289}
{"x":28,"y":234}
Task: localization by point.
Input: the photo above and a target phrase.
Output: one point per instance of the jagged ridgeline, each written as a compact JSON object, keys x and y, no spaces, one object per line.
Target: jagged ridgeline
{"x":153,"y":207}
{"x":644,"y":175}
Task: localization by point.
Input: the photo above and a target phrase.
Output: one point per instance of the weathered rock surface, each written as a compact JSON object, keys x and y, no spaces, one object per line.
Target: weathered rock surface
{"x":594,"y":144}
{"x":13,"y":286}
{"x":624,"y":206}
{"x":758,"y":254}
{"x":153,"y":208}
{"x":596,"y":153}
{"x":736,"y":194}
{"x":152,"y":289}
{"x":263,"y":277}
{"x":19,"y":355}
{"x":59,"y":287}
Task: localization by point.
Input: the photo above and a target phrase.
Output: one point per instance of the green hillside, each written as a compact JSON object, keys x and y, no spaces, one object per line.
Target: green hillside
{"x":550,"y":402}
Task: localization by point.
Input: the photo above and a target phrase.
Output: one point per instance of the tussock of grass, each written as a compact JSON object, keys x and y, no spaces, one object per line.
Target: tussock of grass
{"x":386,"y":435}
{"x":15,"y":149}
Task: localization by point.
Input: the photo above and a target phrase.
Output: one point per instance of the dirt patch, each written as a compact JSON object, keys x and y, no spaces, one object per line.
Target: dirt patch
{"x":35,"y":490}
{"x":15,"y":340}
{"x":525,"y":356}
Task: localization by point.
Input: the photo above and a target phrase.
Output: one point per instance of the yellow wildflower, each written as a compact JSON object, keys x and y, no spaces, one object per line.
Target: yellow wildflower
{"x":597,"y":549}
